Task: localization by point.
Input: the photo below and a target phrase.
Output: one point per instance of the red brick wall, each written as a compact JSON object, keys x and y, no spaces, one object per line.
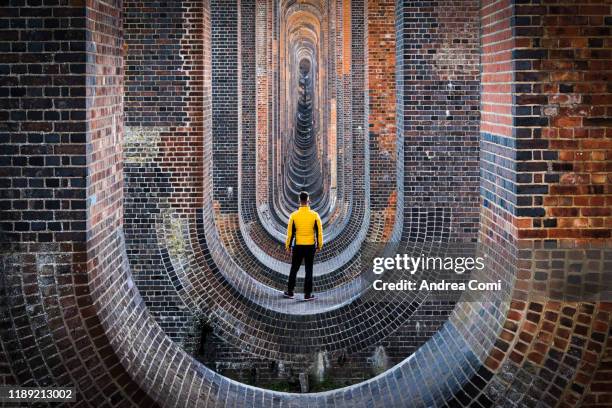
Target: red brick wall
{"x":105,"y":122}
{"x":382,"y":100}
{"x":599,"y":393}
{"x":497,"y":150}
{"x":56,"y":149}
{"x":496,"y":67}
{"x":562,"y":110}
{"x":545,"y":91}
{"x":546,"y":176}
{"x":576,"y":98}
{"x":165,"y":88}
{"x":104,"y":190}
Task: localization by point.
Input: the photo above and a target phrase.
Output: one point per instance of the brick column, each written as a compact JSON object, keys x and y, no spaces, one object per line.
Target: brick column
{"x":382,"y":102}
{"x":226,"y":101}
{"x":439,"y":116}
{"x":544,"y":118}
{"x":60,"y":165}
{"x":497,"y":147}
{"x":546,"y":192}
{"x":562,"y":120}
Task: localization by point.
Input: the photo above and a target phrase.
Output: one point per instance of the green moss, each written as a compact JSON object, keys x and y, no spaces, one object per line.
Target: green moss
{"x":326,"y":385}
{"x":141,"y":144}
{"x":281,"y":386}
{"x":174,"y":238}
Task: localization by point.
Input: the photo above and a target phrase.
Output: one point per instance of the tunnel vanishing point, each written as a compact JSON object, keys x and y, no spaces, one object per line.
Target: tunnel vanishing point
{"x":151,"y":153}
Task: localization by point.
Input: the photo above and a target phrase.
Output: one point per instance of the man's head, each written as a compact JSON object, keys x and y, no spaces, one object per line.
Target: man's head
{"x":303,"y":198}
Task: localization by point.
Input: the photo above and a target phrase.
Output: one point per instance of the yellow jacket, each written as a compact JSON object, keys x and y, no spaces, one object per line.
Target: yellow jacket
{"x":303,"y":225}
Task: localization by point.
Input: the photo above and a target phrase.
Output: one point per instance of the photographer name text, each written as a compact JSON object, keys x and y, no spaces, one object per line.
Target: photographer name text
{"x":424,"y":264}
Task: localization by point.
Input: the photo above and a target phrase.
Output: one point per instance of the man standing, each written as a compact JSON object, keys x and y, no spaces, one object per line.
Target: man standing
{"x":306,"y":228}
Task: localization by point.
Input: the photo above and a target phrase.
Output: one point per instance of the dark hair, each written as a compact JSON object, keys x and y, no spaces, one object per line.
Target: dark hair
{"x":303,"y":197}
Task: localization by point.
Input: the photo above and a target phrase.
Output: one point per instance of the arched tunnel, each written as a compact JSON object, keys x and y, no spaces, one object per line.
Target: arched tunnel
{"x":304,"y":168}
{"x":153,"y":153}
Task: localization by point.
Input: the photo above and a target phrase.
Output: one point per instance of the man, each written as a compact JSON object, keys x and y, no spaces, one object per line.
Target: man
{"x":306,"y":228}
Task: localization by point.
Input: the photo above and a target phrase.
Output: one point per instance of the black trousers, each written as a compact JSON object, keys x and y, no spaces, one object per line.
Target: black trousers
{"x":306,"y":253}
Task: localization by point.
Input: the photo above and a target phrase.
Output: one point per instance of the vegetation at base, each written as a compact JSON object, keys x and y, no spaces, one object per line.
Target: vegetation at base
{"x":326,"y":385}
{"x":281,"y":386}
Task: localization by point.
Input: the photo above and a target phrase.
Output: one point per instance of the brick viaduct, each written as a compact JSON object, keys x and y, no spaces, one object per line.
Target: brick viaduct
{"x":148,"y":156}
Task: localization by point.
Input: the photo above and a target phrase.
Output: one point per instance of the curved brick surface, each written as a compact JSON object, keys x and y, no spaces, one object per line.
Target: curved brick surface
{"x":136,"y":201}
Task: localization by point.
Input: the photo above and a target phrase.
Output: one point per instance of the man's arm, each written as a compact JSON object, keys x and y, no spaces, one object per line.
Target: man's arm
{"x":319,"y":232}
{"x":289,"y":232}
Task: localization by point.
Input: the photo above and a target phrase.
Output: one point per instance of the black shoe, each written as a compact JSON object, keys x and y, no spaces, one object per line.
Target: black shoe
{"x":309,"y":297}
{"x":288,"y":295}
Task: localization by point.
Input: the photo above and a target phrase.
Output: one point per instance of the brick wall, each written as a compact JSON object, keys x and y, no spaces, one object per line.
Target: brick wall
{"x":381,"y":59}
{"x":164,"y":87}
{"x":550,"y":59}
{"x":6,"y":372}
{"x":598,"y":391}
{"x":248,"y":120}
{"x":543,"y":181}
{"x":562,"y":111}
{"x":497,"y":147}
{"x":164,"y":82}
{"x":104,"y":125}
{"x":61,"y":169}
{"x":341,"y":367}
{"x":43,"y":124}
{"x":71,"y":314}
{"x":226,"y":102}
{"x":43,"y":170}
{"x":439,"y":70}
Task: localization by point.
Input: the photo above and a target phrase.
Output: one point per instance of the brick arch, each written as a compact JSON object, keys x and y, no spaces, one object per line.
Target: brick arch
{"x":73,"y":315}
